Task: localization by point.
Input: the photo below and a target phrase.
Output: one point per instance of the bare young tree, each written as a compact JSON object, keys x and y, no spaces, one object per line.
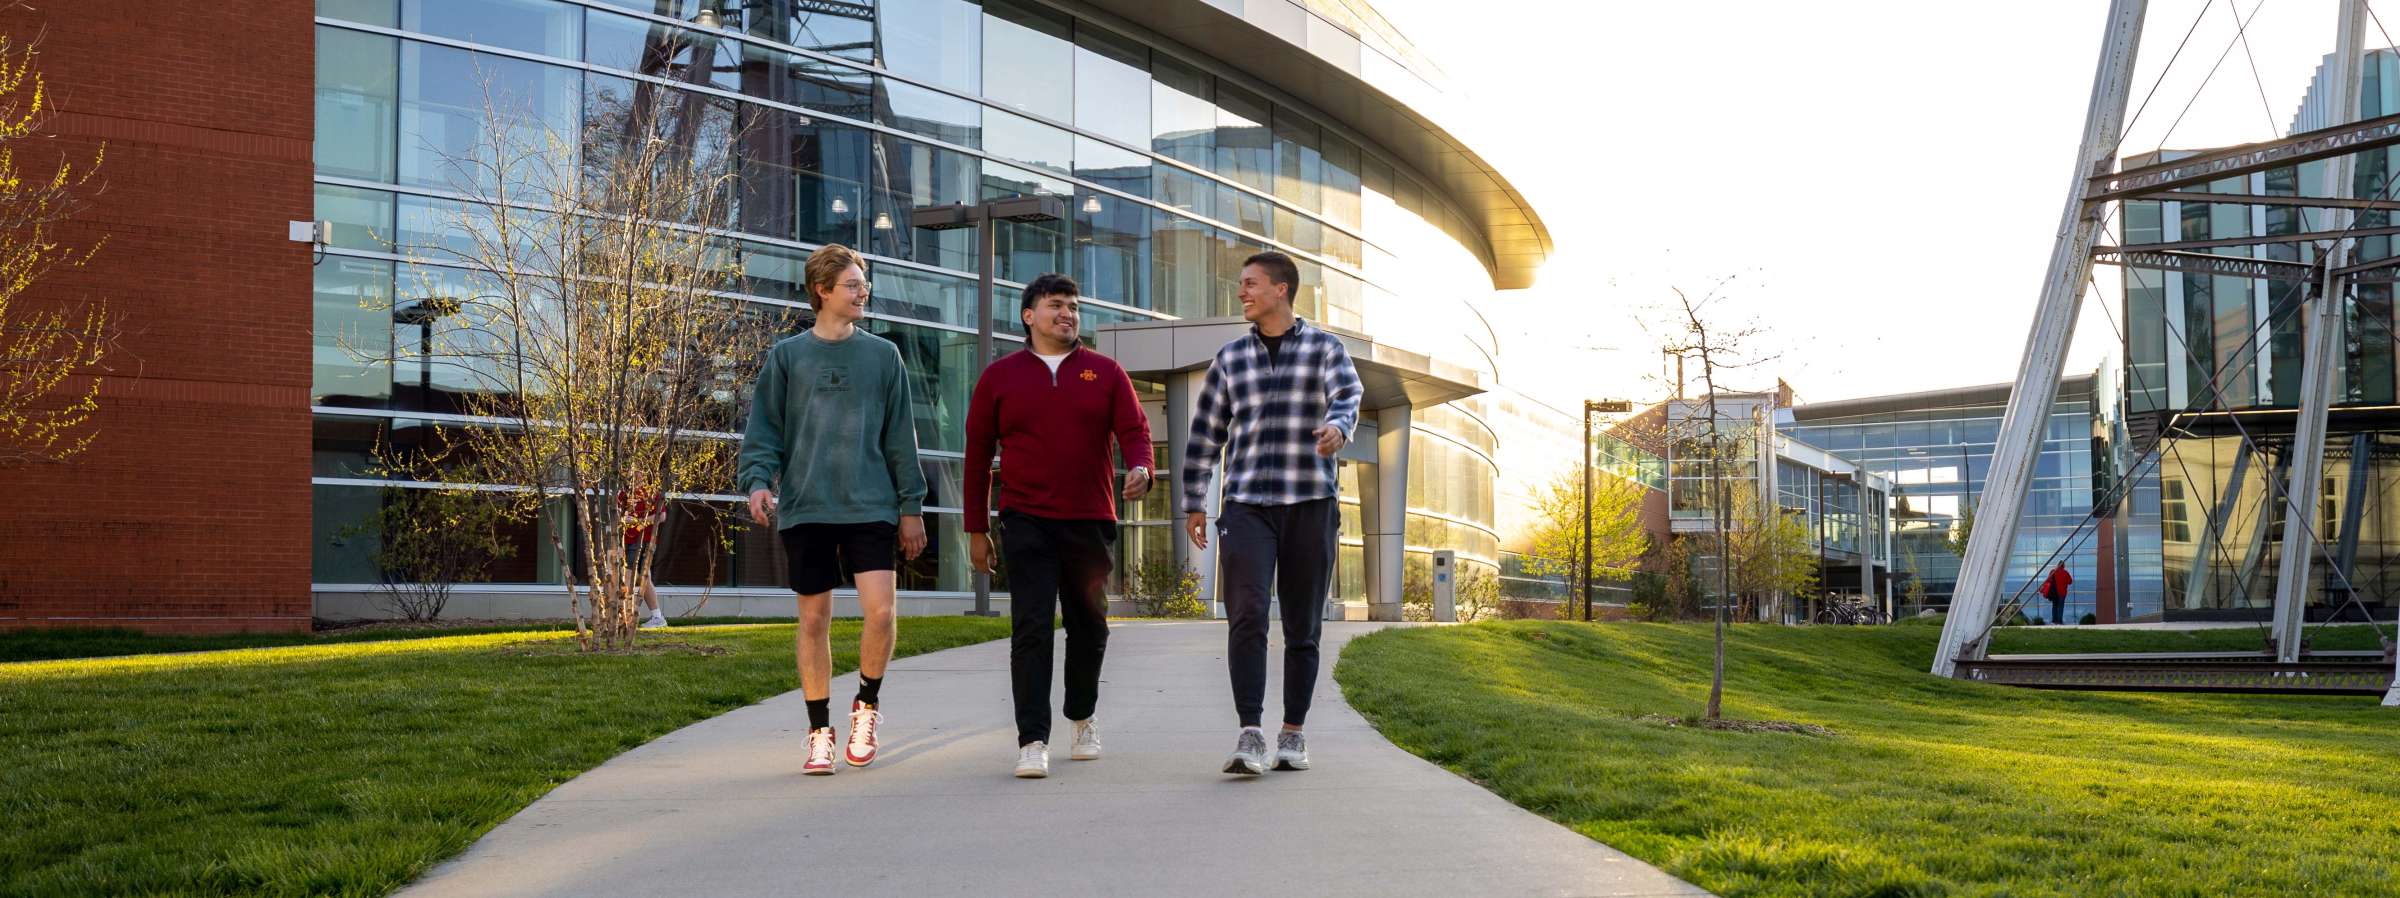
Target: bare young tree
{"x":45,"y":411}
{"x":581,"y":296}
{"x":1718,"y":349}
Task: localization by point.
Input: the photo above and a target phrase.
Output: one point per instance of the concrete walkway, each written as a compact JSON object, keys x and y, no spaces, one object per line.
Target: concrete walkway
{"x":719,"y":807}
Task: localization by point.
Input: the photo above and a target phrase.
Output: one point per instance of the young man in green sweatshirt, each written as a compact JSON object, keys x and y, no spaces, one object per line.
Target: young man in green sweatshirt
{"x":830,"y":460}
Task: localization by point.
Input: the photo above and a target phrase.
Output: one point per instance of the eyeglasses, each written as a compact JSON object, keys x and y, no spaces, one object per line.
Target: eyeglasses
{"x":859,"y":287}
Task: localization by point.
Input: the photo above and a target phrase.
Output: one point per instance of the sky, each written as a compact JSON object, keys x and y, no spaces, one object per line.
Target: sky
{"x":1874,"y":186}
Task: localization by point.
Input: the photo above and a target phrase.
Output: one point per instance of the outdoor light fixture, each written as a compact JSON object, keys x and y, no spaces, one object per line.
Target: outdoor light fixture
{"x":707,"y":19}
{"x":883,"y":221}
{"x":1091,"y":205}
{"x":839,"y":207}
{"x":1037,"y":208}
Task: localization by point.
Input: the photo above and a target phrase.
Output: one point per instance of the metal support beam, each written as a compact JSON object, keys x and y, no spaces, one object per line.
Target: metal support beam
{"x":2254,"y":240}
{"x":2351,"y":136}
{"x":2028,"y":413}
{"x":2220,"y":515}
{"x":2255,"y":199}
{"x":2206,"y":263}
{"x":2255,"y":553}
{"x":2320,"y":355}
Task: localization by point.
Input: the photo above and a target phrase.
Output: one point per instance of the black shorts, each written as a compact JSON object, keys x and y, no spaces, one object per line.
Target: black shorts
{"x":820,"y":554}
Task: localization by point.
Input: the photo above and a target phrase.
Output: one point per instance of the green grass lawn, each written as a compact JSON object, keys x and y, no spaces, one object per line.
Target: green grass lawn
{"x":53,"y":644}
{"x":344,"y":768}
{"x":1928,"y":787}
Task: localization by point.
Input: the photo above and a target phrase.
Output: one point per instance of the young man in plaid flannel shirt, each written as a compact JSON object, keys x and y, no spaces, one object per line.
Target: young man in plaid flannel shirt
{"x":1279,"y":402}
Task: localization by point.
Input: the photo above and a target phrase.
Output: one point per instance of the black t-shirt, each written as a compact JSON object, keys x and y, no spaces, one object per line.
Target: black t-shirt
{"x":1274,"y":345}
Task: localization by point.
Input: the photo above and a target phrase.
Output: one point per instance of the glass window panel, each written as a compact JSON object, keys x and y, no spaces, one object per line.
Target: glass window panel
{"x":1112,"y":86}
{"x":1302,"y":232}
{"x":1028,"y":142}
{"x":1190,"y":193}
{"x":368,"y":12}
{"x":1344,"y":248}
{"x":924,"y":295}
{"x":1345,"y":303}
{"x":357,"y":94}
{"x":1111,"y":166}
{"x":1183,"y":112}
{"x":1028,"y":59}
{"x":1245,"y":149}
{"x":1184,"y":256}
{"x":444,"y":113}
{"x":834,"y":29}
{"x":1230,"y":254}
{"x":1112,"y":249}
{"x":352,"y":324}
{"x":533,"y":26}
{"x":1246,"y":211}
{"x":1341,"y":204}
{"x":940,"y":366}
{"x":931,"y":113}
{"x":933,"y":41}
{"x":1026,"y":250}
{"x":1299,"y":164}
{"x":362,"y":219}
{"x":913,"y":174}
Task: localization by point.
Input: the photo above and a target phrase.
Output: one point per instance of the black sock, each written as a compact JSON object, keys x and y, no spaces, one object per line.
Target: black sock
{"x":820,"y":714}
{"x":870,"y":689}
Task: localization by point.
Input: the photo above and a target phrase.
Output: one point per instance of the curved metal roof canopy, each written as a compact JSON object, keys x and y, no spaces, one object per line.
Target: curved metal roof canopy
{"x":1367,"y":90}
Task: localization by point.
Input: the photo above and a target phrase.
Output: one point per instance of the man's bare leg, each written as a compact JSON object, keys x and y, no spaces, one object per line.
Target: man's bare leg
{"x":876,"y":599}
{"x":813,"y":642}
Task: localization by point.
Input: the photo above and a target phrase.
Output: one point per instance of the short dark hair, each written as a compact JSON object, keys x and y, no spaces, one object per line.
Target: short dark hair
{"x":1052,"y":284}
{"x":1280,"y":270}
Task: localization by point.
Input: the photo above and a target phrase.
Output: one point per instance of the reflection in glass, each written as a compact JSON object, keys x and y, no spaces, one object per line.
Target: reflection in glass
{"x":908,"y":175}
{"x":449,"y":98}
{"x":1183,"y":112}
{"x":357,"y":94}
{"x":1027,"y":59}
{"x":1245,"y":149}
{"x":1022,"y":140}
{"x":1112,"y":250}
{"x":931,"y":113}
{"x":933,"y":41}
{"x":1026,"y":250}
{"x":1112,"y":86}
{"x":353,"y":336}
{"x":533,"y":26}
{"x":362,"y":219}
{"x":1111,"y":166}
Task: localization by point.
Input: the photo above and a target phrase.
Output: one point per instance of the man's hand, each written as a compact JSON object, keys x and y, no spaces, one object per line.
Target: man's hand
{"x":1137,"y":484}
{"x":979,"y":552}
{"x":912,"y":536}
{"x":1196,"y":525}
{"x":762,"y":507}
{"x":1330,"y":440}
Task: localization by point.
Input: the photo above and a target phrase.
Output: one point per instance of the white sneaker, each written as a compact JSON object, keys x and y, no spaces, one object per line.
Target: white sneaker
{"x":820,"y":753}
{"x":1087,"y":741}
{"x":1249,"y":756}
{"x":1291,"y":751}
{"x":656,"y":621}
{"x":1033,"y":761}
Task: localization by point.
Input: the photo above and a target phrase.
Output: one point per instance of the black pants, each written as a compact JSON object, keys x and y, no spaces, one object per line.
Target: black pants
{"x":2058,"y":609}
{"x":1054,"y":564}
{"x":1292,"y":547}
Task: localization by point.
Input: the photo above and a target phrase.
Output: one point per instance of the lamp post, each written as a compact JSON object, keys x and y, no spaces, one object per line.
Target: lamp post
{"x":981,"y":217}
{"x":1583,"y":554}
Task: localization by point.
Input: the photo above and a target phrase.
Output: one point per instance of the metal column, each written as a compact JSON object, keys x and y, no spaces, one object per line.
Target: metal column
{"x":1383,"y":514}
{"x":2354,"y":500}
{"x":2220,"y":516}
{"x":2028,"y":415}
{"x":2320,"y":353}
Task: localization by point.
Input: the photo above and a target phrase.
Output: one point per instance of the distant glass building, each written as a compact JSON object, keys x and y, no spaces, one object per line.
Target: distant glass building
{"x":1936,"y":449}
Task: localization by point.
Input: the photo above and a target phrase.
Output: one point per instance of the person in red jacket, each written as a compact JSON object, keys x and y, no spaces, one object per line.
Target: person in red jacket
{"x":1050,"y":410}
{"x":2054,"y":588}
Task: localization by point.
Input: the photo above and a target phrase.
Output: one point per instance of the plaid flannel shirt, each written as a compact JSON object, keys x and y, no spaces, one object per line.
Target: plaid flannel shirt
{"x":1264,"y":415}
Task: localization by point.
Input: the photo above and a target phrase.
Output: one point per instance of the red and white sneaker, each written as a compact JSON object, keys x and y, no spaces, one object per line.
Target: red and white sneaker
{"x":820,"y":753}
{"x":863,"y":721}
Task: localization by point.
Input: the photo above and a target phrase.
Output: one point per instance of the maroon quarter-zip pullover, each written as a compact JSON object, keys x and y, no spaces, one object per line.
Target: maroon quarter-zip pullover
{"x":1052,"y":433}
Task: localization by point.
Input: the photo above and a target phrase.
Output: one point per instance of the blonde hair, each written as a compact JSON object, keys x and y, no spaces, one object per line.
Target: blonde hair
{"x":825,"y":266}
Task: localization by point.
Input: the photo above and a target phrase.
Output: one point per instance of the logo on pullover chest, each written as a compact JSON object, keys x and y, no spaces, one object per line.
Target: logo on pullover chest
{"x":1089,"y":375}
{"x":834,"y":379}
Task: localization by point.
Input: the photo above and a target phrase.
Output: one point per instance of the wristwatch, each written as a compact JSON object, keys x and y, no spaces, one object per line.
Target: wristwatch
{"x":1145,"y":471}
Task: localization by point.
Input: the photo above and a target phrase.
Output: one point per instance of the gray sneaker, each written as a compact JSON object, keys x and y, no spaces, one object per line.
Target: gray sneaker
{"x":1033,"y":761}
{"x":1249,"y":756}
{"x":1291,"y":751}
{"x":1087,"y":740}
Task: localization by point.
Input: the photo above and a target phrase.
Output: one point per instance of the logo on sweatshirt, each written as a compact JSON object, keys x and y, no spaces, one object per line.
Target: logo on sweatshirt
{"x":1088,"y":374}
{"x":833,"y":380}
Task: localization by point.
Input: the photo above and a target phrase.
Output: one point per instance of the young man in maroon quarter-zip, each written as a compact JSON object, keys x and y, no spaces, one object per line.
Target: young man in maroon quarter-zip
{"x":1051,"y":411}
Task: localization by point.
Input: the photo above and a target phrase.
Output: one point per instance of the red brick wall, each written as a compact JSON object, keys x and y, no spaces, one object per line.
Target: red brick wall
{"x":190,"y":513}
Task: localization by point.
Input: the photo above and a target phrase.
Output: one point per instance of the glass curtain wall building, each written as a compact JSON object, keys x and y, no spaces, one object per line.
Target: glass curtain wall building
{"x":1175,"y":166}
{"x":1936,"y":450}
{"x":2213,"y":370}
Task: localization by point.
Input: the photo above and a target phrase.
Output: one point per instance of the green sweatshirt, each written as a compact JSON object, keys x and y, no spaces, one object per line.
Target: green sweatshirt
{"x":831,"y":434}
